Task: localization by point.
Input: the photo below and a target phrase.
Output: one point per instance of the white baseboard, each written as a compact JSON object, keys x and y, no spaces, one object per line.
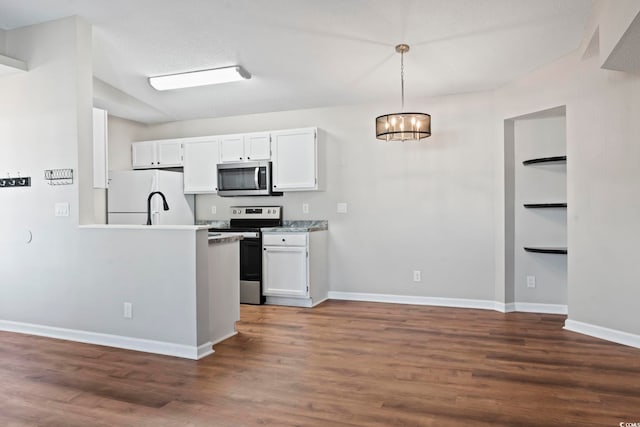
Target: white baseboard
{"x":319,"y":302}
{"x":620,"y":337}
{"x":292,"y":302}
{"x":504,"y":308}
{"x":529,"y":307}
{"x":229,"y":335}
{"x":406,"y":299}
{"x":205,"y":350}
{"x":452,"y":302}
{"x":128,"y":343}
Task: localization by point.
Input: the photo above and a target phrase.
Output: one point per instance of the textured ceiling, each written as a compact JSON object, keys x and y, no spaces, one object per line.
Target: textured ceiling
{"x":308,"y":53}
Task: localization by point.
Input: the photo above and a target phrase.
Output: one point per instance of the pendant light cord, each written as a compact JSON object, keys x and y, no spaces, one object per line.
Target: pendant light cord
{"x":402,"y":78}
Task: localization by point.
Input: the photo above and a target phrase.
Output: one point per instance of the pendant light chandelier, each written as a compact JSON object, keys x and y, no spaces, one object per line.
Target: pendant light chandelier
{"x":403,"y":126}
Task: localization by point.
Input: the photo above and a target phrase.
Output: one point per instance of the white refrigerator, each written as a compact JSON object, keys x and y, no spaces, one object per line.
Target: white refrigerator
{"x":129,"y":190}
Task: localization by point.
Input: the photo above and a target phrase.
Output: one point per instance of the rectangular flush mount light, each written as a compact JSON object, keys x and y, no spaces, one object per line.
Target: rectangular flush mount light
{"x":199,"y":78}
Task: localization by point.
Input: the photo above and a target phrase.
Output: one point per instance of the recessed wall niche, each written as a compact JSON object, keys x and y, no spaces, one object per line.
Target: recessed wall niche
{"x":536,"y":208}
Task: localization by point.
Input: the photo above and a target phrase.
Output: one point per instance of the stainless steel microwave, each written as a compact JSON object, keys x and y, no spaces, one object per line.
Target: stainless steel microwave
{"x":244,"y":179}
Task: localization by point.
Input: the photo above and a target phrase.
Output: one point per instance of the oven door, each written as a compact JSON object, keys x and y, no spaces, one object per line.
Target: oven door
{"x":251,"y":269}
{"x":244,"y":179}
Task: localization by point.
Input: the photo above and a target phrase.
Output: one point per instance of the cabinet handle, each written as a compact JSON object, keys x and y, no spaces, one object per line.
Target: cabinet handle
{"x":248,"y":158}
{"x":283,"y":240}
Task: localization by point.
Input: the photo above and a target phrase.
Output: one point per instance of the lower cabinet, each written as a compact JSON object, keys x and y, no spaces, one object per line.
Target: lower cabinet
{"x":294,"y":268}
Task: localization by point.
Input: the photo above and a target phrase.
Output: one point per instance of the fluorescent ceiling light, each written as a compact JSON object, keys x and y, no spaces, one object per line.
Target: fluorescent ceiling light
{"x":199,"y":78}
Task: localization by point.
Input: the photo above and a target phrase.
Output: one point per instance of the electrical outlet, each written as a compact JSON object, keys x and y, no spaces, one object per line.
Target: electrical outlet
{"x":305,"y":208}
{"x":214,"y":209}
{"x":531,"y":281}
{"x":62,"y":209}
{"x":417,"y":276}
{"x":128,"y":310}
{"x":341,"y":207}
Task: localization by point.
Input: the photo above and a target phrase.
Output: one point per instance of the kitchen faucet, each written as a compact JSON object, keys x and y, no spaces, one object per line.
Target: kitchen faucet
{"x":164,"y":203}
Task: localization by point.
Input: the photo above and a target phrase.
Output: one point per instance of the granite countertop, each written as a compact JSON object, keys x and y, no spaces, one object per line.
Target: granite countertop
{"x":224,"y":238}
{"x":298,"y":226}
{"x":288,"y":226}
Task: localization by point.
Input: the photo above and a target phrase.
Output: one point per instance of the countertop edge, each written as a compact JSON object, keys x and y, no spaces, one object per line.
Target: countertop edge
{"x":143,"y":227}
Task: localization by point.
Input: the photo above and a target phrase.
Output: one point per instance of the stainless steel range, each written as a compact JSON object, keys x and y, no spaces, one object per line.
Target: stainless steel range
{"x":248,"y":220}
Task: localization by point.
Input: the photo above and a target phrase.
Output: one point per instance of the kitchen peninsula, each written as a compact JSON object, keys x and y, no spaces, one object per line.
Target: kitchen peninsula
{"x":181,"y":286}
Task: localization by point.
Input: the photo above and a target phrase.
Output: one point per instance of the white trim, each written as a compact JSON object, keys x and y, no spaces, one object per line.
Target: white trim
{"x":128,"y":343}
{"x":601,"y":332}
{"x":504,"y":308}
{"x":407,"y":299}
{"x":224,"y":338}
{"x":289,"y":301}
{"x":319,"y":302}
{"x":528,"y":307}
{"x":205,"y":350}
{"x":452,"y":302}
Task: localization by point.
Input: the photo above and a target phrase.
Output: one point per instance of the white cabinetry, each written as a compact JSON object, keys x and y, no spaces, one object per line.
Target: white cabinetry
{"x":156,"y":154}
{"x":201,"y":157}
{"x":245,"y":147}
{"x":295,"y":165}
{"x":294,"y":268}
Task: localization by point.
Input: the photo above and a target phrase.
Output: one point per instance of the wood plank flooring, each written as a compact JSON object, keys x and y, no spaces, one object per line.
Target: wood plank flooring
{"x":339,"y":364}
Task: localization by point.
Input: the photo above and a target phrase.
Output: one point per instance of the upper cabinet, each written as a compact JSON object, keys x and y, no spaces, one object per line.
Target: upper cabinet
{"x":293,"y":152}
{"x":201,"y":157}
{"x":295,"y":160}
{"x":245,"y":147}
{"x":156,"y":154}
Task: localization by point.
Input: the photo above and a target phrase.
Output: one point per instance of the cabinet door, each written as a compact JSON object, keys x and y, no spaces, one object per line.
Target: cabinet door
{"x":143,"y":155}
{"x":294,"y":160}
{"x":168,"y":153}
{"x":285,"y":271}
{"x":257,"y":146}
{"x":200,"y":167}
{"x":232,"y":148}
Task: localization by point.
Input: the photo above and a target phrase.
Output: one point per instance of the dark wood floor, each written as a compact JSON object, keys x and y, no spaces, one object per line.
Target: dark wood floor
{"x":339,"y":364}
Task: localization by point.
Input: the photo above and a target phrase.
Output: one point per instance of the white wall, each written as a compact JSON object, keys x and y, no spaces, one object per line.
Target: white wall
{"x":603,"y":182}
{"x":122,"y":133}
{"x":3,"y":41}
{"x":67,"y":277}
{"x":38,"y":131}
{"x":412,"y":206}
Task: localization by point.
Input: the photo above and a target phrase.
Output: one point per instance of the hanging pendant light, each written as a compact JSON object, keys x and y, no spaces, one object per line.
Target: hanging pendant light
{"x":403,"y":126}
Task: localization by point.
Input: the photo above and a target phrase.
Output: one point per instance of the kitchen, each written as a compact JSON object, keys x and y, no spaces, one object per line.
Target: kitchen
{"x":278,"y":262}
{"x":413,"y":222}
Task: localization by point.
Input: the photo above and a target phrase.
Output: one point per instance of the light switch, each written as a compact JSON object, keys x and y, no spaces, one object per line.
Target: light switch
{"x":214,"y":209}
{"x":342,"y":207}
{"x":62,"y":209}
{"x":305,"y":208}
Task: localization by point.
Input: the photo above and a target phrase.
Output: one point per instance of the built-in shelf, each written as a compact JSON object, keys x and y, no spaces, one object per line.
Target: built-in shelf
{"x":545,"y":205}
{"x":546,"y":249}
{"x":555,"y":159}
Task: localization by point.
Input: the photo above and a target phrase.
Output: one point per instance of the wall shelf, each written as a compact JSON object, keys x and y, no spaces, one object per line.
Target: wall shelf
{"x":555,"y":159}
{"x":546,"y":250}
{"x":545,"y":205}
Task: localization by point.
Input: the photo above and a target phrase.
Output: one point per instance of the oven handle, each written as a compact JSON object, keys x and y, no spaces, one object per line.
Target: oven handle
{"x":255,"y":178}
